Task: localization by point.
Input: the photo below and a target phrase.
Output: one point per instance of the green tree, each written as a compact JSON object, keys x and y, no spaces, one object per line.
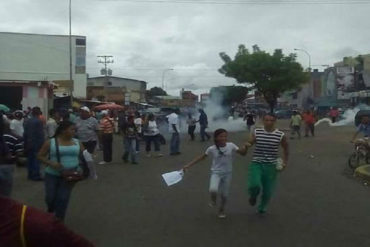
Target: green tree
{"x":227,"y":95}
{"x":271,"y":74}
{"x":156,"y":91}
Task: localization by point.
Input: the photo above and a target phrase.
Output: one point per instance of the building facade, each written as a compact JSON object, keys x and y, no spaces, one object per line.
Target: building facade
{"x":19,"y":95}
{"x":39,"y":57}
{"x":188,"y":98}
{"x":116,"y":89}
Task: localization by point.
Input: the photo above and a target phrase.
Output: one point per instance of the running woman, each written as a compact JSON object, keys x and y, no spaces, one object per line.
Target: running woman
{"x":262,"y":171}
{"x":221,"y":170}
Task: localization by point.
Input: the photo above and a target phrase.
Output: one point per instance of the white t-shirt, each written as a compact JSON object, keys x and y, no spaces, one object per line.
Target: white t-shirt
{"x":222,"y":157}
{"x":16,"y":127}
{"x":173,"y":119}
{"x":51,"y":127}
{"x":152,"y":129}
{"x":138,"y":122}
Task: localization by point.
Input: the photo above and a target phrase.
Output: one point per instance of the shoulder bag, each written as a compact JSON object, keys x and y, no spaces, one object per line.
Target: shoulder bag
{"x":70,"y":175}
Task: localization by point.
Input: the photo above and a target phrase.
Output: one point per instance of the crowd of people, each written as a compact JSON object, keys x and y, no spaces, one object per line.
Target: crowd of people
{"x":59,"y":142}
{"x":29,"y":134}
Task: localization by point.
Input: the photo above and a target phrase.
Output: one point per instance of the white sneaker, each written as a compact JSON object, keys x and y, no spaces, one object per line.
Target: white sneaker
{"x":102,"y":163}
{"x":221,"y":215}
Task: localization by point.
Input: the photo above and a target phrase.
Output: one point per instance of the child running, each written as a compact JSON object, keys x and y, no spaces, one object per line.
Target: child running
{"x":221,"y":170}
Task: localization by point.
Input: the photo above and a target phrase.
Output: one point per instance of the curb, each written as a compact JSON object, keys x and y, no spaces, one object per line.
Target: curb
{"x":363,"y":172}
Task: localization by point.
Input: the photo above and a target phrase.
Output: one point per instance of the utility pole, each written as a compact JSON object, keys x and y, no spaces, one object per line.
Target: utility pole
{"x":105,"y":59}
{"x":70,"y":52}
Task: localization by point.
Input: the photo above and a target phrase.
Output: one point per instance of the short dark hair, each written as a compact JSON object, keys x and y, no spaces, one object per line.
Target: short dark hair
{"x":36,"y":111}
{"x":218,"y":132}
{"x":62,"y":127}
{"x":270,"y":115}
{"x":151,"y":117}
{"x":51,"y":112}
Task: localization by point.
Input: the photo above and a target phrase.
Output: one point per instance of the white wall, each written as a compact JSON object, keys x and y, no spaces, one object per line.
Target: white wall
{"x":39,"y":57}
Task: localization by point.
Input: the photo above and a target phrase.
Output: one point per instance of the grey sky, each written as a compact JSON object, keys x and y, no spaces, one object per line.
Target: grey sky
{"x":188,"y":37}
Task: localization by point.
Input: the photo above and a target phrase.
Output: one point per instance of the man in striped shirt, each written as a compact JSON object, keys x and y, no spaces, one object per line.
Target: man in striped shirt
{"x":106,"y":129}
{"x":262,"y":171}
{"x":10,"y":147}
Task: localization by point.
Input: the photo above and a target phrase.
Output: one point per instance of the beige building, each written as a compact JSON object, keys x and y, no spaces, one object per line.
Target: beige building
{"x":116,"y":89}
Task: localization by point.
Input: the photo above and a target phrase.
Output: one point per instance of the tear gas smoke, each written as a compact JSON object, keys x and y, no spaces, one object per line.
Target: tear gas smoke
{"x":219,"y":117}
{"x":348,"y":117}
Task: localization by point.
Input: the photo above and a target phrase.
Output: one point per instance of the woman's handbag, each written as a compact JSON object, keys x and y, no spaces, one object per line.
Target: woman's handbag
{"x":70,"y":175}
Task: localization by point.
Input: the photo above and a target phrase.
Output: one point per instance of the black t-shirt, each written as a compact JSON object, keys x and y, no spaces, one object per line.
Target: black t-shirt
{"x":250,"y":119}
{"x":130,"y":130}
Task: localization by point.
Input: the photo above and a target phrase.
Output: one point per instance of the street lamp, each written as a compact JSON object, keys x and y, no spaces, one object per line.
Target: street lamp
{"x":163,"y":74}
{"x":309,"y":57}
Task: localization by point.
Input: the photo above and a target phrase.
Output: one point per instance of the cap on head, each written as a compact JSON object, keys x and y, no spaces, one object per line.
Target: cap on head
{"x":85,"y":108}
{"x":18,"y":113}
{"x":104,"y":112}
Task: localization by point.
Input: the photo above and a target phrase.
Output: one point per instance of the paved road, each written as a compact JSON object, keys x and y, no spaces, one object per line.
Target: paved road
{"x":316,"y":204}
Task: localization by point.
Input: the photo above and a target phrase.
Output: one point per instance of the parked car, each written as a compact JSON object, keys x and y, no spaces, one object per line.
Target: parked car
{"x":283,"y":113}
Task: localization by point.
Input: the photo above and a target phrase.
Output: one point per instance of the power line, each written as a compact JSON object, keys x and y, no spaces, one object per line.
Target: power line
{"x":250,"y":2}
{"x":162,"y":68}
{"x":105,"y":60}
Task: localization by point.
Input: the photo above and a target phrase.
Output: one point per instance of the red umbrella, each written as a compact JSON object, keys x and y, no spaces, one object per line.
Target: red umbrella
{"x":110,"y":106}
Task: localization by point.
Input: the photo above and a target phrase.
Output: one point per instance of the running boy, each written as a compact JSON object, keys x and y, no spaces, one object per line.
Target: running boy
{"x":221,"y":170}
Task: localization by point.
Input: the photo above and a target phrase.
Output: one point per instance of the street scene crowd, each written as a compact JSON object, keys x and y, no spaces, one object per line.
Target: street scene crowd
{"x":57,"y":150}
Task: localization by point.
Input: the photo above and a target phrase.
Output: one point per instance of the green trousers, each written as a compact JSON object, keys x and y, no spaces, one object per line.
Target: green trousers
{"x":261,"y":176}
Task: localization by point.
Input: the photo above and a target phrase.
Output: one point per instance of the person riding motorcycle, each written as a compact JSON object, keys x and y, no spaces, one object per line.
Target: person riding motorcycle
{"x":364,"y":128}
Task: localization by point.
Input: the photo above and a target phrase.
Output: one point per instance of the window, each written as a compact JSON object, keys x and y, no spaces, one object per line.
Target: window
{"x":81,"y":42}
{"x":80,"y":69}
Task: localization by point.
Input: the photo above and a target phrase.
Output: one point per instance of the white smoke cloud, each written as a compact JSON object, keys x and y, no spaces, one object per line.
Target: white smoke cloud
{"x":219,"y":117}
{"x":348,"y":117}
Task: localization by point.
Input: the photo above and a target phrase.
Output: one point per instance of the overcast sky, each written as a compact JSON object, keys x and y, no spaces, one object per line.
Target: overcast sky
{"x":147,"y":38}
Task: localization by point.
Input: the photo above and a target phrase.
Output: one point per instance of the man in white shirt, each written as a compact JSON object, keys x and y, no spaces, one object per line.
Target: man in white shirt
{"x":16,"y":125}
{"x":52,"y":123}
{"x":174,"y":129}
{"x":139,"y":127}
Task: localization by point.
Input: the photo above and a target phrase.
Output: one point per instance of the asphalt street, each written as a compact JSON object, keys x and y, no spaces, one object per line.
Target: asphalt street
{"x":316,"y":203}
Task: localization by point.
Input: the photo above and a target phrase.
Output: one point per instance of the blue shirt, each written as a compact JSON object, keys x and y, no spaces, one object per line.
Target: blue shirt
{"x":33,"y":134}
{"x":364,"y":129}
{"x":69,"y":156}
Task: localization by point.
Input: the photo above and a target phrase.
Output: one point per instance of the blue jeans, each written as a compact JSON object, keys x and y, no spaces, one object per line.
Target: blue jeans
{"x":138,"y":139}
{"x":57,"y":194}
{"x":203,"y":133}
{"x":6,"y":179}
{"x":33,"y":165}
{"x":175,"y":143}
{"x":130,"y":149}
